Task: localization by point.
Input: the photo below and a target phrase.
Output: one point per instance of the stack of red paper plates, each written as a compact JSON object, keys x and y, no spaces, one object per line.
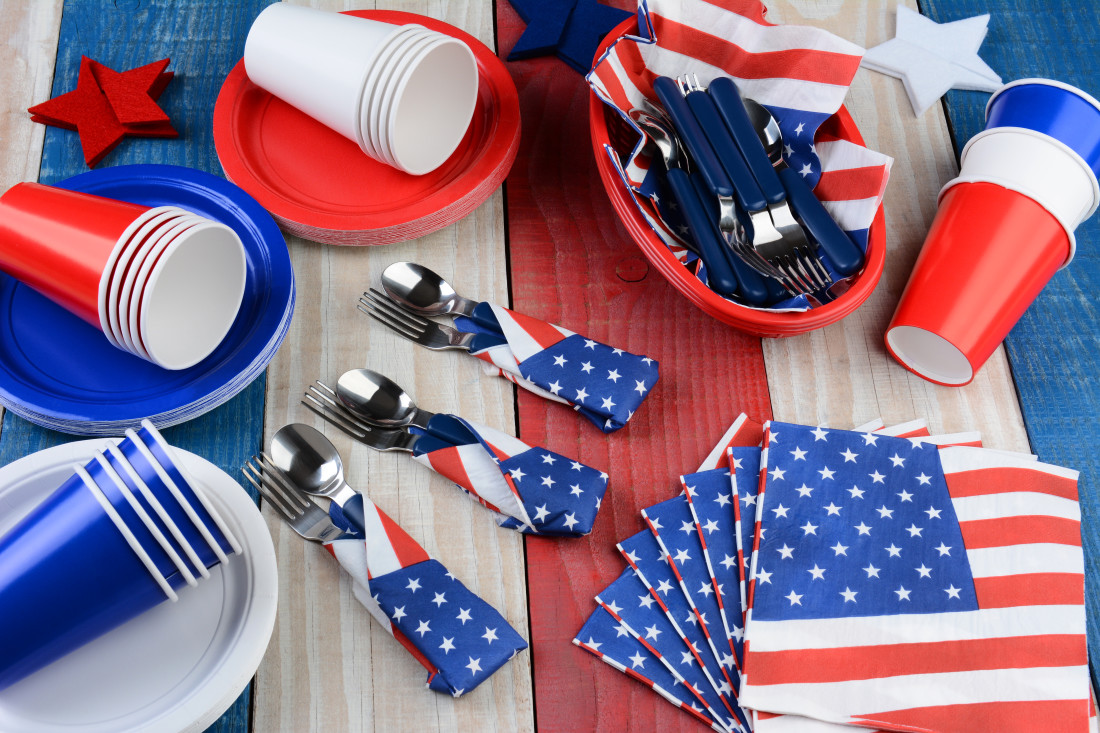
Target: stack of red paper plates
{"x":319,"y":185}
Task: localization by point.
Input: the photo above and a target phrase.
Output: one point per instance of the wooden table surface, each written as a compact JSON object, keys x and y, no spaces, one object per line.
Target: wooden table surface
{"x":550,"y":245}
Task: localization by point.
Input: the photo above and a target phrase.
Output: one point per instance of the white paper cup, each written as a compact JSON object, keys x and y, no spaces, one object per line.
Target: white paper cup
{"x":1036,"y":165}
{"x":315,"y":60}
{"x":130,"y":290}
{"x":112,"y":260}
{"x":432,"y":107}
{"x":150,"y":230}
{"x":192,"y":295}
{"x":388,"y":86}
{"x":393,"y":43}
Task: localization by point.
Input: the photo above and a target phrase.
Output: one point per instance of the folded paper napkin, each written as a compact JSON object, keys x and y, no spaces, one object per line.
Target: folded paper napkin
{"x":605,"y":384}
{"x":883,"y":578}
{"x":535,"y":490}
{"x":459,"y":638}
{"x":801,"y":74}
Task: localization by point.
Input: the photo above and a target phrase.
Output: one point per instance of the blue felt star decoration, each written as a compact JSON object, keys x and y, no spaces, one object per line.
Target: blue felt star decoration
{"x":572,"y":29}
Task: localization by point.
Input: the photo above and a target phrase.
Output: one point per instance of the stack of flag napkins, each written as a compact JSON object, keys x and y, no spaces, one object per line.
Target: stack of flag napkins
{"x":813,"y":579}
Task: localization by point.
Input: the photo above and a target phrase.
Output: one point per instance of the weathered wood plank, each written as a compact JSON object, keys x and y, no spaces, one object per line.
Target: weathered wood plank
{"x":204,"y":40}
{"x":1055,"y":348}
{"x":30,"y":32}
{"x":329,"y":666}
{"x":572,"y":263}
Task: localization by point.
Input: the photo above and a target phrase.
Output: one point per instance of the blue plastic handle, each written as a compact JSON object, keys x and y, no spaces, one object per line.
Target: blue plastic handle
{"x":428,"y":444}
{"x":841,"y":250}
{"x":483,"y":341}
{"x":693,"y":136}
{"x":353,"y":513}
{"x":450,"y":430}
{"x":745,"y":187}
{"x":483,"y":316}
{"x":752,"y":286}
{"x":704,"y":231}
{"x":727,"y":99}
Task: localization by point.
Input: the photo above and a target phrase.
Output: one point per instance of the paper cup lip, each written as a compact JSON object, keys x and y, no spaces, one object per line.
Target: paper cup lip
{"x":131,"y":286}
{"x":929,"y":355}
{"x":174,"y":350}
{"x":388,"y":83}
{"x":382,"y":54}
{"x":1043,"y":82}
{"x":375,"y":87}
{"x":397,"y":31}
{"x":1055,"y":142}
{"x":153,"y":227}
{"x":1023,"y":191}
{"x":414,"y":158}
{"x":108,"y":268}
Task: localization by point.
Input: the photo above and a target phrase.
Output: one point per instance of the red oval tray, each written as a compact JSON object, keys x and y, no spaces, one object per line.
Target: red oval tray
{"x":320,"y":185}
{"x":756,"y":322}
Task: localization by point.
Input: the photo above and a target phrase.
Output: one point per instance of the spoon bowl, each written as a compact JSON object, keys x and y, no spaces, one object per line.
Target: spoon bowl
{"x":423,"y":291}
{"x":767,"y":129}
{"x":311,"y":464}
{"x":379,"y":400}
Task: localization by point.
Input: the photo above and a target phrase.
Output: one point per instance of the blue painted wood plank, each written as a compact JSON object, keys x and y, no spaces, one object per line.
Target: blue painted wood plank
{"x":204,"y":39}
{"x":1055,"y":348}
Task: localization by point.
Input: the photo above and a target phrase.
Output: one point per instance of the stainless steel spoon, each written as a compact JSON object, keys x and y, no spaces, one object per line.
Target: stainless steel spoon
{"x":310,"y":463}
{"x":379,"y":400}
{"x":420,"y":290}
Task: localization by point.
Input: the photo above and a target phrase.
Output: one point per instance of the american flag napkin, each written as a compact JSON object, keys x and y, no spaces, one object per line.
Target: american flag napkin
{"x":535,"y":490}
{"x":603,"y":637}
{"x":459,"y":638}
{"x":801,"y":74}
{"x":913,"y":588}
{"x":604,"y":384}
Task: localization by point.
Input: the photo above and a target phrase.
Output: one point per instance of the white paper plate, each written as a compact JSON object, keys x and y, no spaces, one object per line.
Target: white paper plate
{"x":175,"y":668}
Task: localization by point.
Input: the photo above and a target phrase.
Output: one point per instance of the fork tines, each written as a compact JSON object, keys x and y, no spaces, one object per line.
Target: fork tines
{"x":321,"y":400}
{"x":270,"y":483}
{"x":379,"y":307}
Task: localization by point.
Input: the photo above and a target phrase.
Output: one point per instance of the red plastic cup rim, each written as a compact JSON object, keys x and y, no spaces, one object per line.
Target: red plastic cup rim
{"x":757,"y":322}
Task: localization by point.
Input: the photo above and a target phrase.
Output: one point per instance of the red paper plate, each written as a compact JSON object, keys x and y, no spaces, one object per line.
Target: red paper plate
{"x":318,"y":184}
{"x":757,"y":322}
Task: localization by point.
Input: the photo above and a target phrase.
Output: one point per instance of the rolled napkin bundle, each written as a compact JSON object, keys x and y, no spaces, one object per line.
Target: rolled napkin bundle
{"x":536,"y":491}
{"x":459,"y":638}
{"x":605,"y":384}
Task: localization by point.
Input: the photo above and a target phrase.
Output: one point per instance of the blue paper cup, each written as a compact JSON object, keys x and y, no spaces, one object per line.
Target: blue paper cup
{"x":70,"y":571}
{"x":202,"y":528}
{"x":146,"y":517}
{"x":1053,"y":108}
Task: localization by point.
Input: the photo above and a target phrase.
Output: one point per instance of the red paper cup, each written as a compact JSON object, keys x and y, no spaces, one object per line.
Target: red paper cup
{"x":988,"y":254}
{"x":60,"y":242}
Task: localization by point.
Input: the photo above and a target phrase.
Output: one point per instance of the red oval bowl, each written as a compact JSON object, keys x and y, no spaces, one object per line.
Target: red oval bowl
{"x":757,"y":322}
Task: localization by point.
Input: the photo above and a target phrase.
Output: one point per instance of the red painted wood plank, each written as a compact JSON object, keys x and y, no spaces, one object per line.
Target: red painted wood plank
{"x":571,"y":262}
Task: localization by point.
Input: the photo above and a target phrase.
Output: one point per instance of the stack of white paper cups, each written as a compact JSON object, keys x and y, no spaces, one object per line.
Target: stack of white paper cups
{"x":404,"y":94}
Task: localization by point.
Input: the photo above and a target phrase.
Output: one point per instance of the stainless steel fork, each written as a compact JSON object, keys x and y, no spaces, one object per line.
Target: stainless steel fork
{"x":304,"y":516}
{"x":413,"y":327}
{"x":321,"y":399}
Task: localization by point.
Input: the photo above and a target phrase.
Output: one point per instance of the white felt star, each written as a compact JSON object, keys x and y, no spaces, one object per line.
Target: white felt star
{"x":931,"y":57}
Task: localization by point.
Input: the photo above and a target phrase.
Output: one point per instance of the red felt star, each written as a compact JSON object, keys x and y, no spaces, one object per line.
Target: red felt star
{"x":96,"y":115}
{"x":129,"y":92}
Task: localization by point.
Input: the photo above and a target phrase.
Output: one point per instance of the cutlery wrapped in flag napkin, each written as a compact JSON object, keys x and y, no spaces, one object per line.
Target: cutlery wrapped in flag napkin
{"x":459,"y":638}
{"x":605,"y":384}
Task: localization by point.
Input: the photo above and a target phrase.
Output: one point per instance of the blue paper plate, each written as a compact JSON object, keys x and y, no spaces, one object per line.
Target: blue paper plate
{"x":58,"y":371}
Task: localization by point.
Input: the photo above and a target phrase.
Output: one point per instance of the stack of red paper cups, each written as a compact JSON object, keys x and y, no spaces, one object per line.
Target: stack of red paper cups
{"x":1004,"y":226}
{"x":161,"y":283}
